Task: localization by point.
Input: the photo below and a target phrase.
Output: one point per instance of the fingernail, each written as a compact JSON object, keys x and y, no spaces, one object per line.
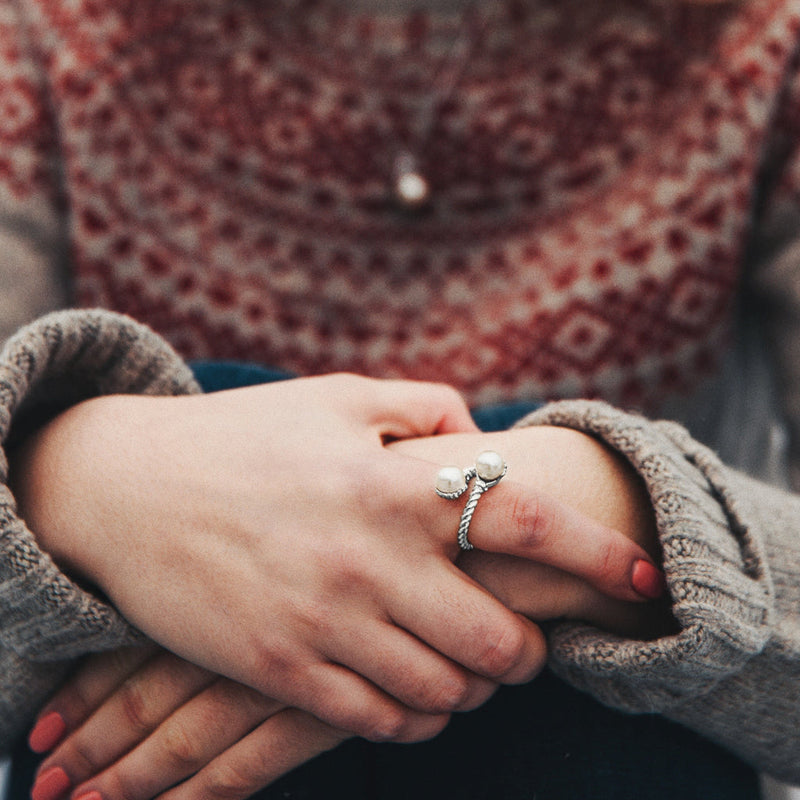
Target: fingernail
{"x":648,"y":580}
{"x":51,"y":784}
{"x":47,"y":732}
{"x":93,"y":795}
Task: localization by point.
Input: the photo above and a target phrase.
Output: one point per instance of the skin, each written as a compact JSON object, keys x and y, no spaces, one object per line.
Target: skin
{"x":303,"y":564}
{"x":141,"y":722}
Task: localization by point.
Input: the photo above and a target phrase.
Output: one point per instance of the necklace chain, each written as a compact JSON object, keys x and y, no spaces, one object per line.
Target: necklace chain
{"x":411,"y":186}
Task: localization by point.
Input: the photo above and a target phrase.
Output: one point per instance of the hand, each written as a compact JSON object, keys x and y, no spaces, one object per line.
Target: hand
{"x":143,"y":720}
{"x":200,"y":735}
{"x":154,"y":720}
{"x":584,"y":474}
{"x":267,"y":535}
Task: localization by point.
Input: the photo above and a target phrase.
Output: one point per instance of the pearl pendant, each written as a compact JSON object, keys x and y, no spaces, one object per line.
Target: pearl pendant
{"x":411,"y":187}
{"x":489,"y":465}
{"x":450,"y":480}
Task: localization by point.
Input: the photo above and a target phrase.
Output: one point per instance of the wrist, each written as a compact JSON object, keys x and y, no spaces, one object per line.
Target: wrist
{"x":53,"y":476}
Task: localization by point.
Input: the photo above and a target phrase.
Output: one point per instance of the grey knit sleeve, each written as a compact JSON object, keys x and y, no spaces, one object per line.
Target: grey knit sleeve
{"x":45,"y":618}
{"x":732,"y":558}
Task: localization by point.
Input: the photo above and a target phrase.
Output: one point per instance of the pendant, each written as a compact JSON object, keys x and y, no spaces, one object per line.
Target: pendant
{"x":411,"y":187}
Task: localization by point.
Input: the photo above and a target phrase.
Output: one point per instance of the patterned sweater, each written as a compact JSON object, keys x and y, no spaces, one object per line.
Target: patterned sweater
{"x":605,"y":180}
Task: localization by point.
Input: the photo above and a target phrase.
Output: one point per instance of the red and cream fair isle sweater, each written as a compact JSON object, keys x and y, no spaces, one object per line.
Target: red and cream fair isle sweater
{"x":606,"y":179}
{"x":224,"y":173}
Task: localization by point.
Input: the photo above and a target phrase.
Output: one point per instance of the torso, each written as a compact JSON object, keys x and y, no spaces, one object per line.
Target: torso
{"x":228,"y":168}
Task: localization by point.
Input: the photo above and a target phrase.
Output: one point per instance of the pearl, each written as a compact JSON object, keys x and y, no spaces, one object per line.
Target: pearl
{"x":449,"y":480}
{"x":489,"y":465}
{"x":412,"y":189}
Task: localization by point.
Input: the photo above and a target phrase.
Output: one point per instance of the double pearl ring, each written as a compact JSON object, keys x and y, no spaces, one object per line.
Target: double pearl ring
{"x":452,"y":482}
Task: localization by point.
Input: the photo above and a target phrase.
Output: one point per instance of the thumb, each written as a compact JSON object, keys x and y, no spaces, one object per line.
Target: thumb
{"x":398,"y":409}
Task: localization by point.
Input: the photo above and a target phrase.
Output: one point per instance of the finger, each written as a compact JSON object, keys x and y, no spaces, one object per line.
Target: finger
{"x":461,"y":620}
{"x":83,"y":693}
{"x":128,"y":716}
{"x":520,"y":521}
{"x":538,"y":591}
{"x":283,"y":742}
{"x":400,"y":409}
{"x":407,"y":669}
{"x":349,"y":702}
{"x":188,"y":740}
{"x":279,"y":745}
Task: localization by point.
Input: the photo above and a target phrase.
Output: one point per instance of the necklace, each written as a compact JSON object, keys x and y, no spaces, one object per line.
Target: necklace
{"x":411,"y":187}
{"x":408,"y":184}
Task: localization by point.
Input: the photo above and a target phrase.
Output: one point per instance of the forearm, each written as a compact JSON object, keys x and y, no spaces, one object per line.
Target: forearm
{"x":46,"y":619}
{"x":731,"y":555}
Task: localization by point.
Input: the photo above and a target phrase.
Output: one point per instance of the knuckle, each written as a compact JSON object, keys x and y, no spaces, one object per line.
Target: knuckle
{"x":502,"y":650}
{"x":386,"y":726}
{"x":180,"y":749}
{"x":447,"y":694}
{"x":230,"y":781}
{"x":121,"y":659}
{"x":346,"y":555}
{"x":135,"y":709}
{"x":121,"y":786}
{"x":531,"y":523}
{"x":533,"y":666}
{"x":79,"y":756}
{"x":74,"y":704}
{"x":481,"y":689}
{"x":118,"y":662}
{"x":272,"y":666}
{"x":351,"y":567}
{"x":425,"y":727}
{"x":313,"y":615}
{"x":75,"y":700}
{"x":607,"y":558}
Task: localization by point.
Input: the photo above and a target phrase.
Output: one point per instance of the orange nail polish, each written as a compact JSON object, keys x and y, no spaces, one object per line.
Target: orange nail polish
{"x":47,"y":732}
{"x":648,"y":580}
{"x":51,"y":784}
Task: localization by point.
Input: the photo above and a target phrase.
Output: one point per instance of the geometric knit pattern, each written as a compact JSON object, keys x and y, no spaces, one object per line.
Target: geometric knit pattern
{"x":225,"y":173}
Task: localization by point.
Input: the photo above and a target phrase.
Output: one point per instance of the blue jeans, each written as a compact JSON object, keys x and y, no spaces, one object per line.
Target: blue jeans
{"x":541,"y":741}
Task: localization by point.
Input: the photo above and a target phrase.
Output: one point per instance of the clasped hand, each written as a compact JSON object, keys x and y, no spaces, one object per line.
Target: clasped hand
{"x":268,"y":535}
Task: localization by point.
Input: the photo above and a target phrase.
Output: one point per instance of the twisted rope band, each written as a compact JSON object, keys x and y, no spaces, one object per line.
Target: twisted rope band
{"x":488,"y":471}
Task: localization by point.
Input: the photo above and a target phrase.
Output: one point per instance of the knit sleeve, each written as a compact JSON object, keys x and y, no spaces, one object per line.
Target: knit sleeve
{"x":33,"y":248}
{"x":45,"y":618}
{"x":732,"y":559}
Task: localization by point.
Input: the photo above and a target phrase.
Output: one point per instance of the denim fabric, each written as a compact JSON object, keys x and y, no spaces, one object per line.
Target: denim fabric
{"x":541,"y":741}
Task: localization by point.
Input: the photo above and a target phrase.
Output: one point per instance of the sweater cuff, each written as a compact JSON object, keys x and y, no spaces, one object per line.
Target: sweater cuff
{"x":60,"y":360}
{"x":715,"y":566}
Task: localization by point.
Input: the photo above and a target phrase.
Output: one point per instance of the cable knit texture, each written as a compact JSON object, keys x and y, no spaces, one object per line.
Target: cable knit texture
{"x":44,"y":616}
{"x":730,"y":553}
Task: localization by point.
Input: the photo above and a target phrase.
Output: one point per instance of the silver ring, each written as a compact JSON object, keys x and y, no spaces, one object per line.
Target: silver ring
{"x":452,"y":482}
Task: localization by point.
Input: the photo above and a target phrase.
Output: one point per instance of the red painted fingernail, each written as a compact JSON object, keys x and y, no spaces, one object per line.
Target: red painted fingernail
{"x":51,"y":784}
{"x":47,"y":732}
{"x":93,"y":795}
{"x":648,"y":580}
